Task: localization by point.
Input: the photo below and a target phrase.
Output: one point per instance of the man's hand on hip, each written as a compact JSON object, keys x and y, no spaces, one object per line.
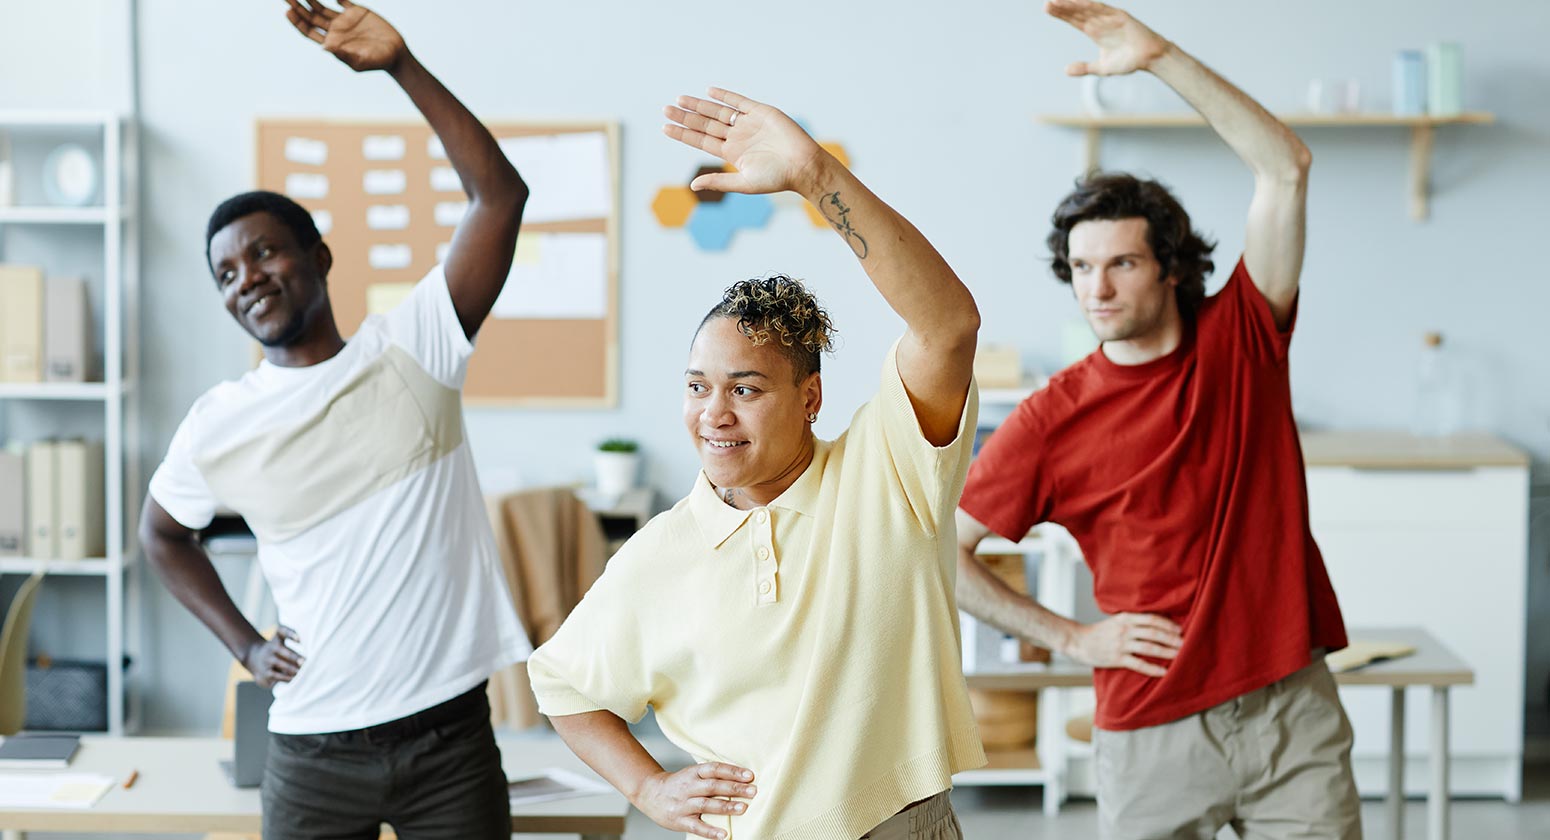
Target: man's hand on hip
{"x":1121,"y":641}
{"x":273,"y":660}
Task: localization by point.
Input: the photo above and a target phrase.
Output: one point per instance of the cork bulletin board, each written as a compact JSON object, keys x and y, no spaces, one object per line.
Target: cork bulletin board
{"x":387,"y":202}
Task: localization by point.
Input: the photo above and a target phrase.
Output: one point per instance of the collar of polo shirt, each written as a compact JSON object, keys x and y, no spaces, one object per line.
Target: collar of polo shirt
{"x":719,"y":520}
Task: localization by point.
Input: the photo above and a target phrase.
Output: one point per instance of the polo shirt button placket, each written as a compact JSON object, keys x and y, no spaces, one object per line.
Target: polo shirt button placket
{"x":764,"y":562}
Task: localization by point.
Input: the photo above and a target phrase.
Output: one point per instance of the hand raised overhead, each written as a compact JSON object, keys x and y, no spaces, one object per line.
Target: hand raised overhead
{"x":770,"y":152}
{"x":1125,"y":44}
{"x":356,"y":36}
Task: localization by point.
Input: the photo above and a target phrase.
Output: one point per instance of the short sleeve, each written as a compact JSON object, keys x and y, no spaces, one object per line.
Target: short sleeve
{"x":1008,"y":489}
{"x":425,"y":324}
{"x":596,"y":660}
{"x":177,"y":484}
{"x":931,"y":476}
{"x":1245,"y":320}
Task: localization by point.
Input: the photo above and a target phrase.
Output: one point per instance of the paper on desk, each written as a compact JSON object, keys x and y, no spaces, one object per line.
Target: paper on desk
{"x":52,"y":790}
{"x":1362,"y":652}
{"x":552,"y":784}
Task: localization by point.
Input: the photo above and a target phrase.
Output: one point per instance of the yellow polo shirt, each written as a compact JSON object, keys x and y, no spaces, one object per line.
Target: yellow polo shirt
{"x":813,"y":641}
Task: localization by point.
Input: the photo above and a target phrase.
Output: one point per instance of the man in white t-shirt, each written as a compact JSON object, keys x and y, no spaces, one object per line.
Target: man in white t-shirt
{"x":349,"y":462}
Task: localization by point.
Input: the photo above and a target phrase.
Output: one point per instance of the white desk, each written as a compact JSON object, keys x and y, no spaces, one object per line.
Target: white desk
{"x":1432,"y":666}
{"x":182,"y":789}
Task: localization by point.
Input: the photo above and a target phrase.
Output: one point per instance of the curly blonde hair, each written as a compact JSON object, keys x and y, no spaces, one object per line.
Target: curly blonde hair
{"x":780,"y":309}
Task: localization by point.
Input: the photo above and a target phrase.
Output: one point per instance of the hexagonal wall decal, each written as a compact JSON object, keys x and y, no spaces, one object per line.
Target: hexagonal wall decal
{"x":673,"y":205}
{"x":711,"y":227}
{"x":814,"y":216}
{"x":708,"y":196}
{"x":713,"y":218}
{"x":838,"y":150}
{"x":748,"y":211}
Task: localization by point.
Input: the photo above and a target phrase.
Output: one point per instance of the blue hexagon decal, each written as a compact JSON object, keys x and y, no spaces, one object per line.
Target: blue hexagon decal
{"x":710,"y":226}
{"x":748,"y":211}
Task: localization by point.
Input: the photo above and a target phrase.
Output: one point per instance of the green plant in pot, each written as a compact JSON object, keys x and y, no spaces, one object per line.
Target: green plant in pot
{"x":617,"y":462}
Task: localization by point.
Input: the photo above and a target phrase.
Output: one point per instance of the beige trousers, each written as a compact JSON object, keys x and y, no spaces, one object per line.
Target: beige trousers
{"x":928,"y":819}
{"x":1273,"y":763}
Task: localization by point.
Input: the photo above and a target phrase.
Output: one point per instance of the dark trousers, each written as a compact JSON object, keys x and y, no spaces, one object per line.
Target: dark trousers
{"x":434,"y":774}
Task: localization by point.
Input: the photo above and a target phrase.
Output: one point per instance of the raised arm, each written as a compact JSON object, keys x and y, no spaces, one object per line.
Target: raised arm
{"x":485,"y":241}
{"x":1273,"y":244}
{"x":771,"y":153}
{"x":182,"y":564}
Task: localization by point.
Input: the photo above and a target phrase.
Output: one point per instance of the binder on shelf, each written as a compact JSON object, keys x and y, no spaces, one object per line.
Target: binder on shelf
{"x":66,"y":334}
{"x":13,"y":494}
{"x":79,"y":499}
{"x":42,"y":515}
{"x":21,"y":323}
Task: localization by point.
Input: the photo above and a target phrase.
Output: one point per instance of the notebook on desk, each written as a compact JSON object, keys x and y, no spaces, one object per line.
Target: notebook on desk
{"x":38,"y":750}
{"x":1362,"y":652}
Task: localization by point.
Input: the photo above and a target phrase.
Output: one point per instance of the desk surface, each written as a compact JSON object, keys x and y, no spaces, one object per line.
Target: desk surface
{"x":182,"y":789}
{"x":1431,"y":665}
{"x":1398,"y":451}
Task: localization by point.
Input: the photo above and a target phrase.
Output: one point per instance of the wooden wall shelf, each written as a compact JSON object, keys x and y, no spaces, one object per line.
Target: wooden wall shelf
{"x":1422,"y":131}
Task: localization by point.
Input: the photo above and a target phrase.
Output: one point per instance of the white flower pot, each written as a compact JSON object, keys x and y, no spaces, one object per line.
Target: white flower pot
{"x":615,"y":471}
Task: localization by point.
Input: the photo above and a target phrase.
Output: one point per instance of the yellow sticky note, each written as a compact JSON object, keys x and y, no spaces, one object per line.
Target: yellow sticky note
{"x":529,"y":250}
{"x":382,"y":297}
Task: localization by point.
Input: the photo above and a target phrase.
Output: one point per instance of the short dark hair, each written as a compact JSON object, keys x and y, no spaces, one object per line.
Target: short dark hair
{"x":781,"y":309}
{"x":290,"y":214}
{"x":1110,"y":196}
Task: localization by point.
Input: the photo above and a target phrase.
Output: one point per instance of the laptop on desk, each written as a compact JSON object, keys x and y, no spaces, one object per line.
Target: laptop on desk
{"x":250,"y":736}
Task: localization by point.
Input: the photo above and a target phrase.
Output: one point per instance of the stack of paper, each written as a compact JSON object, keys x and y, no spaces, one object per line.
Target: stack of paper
{"x":27,"y":791}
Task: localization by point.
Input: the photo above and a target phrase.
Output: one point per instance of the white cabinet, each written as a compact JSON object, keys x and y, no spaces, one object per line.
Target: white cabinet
{"x":1432,"y":534}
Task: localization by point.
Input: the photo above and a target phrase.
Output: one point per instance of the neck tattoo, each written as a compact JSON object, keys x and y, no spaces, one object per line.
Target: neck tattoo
{"x":726,"y":495}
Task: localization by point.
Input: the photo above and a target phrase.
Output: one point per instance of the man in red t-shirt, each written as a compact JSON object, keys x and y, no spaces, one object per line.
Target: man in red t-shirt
{"x":1171,"y":455}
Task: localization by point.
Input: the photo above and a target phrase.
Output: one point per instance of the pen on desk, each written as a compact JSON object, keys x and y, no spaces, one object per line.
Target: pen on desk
{"x":130,"y":782}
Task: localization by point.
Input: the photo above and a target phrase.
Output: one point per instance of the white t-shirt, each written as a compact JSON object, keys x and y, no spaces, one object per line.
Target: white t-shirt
{"x":356,"y":478}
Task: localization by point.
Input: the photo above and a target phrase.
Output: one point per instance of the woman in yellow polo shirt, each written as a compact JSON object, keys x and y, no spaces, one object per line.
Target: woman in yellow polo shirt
{"x":792,"y":621}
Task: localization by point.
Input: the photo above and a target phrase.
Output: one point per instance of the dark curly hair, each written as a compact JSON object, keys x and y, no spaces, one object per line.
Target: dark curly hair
{"x":780,"y":309}
{"x":1109,"y":196}
{"x":290,"y":214}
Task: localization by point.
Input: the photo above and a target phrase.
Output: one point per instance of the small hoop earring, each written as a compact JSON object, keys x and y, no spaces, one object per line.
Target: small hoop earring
{"x":812,"y":418}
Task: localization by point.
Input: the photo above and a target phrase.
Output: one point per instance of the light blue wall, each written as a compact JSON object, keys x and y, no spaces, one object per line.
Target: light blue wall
{"x":936,"y":107}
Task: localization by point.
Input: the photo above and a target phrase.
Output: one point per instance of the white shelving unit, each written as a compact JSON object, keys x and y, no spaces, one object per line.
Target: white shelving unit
{"x":116,"y":148}
{"x":1055,"y":589}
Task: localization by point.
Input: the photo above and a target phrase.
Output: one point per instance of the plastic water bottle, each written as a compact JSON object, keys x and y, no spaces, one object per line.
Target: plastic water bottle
{"x":1438,"y":404}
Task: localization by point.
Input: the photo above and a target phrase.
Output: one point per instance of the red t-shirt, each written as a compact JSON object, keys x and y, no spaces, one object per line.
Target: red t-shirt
{"x":1182,"y":480}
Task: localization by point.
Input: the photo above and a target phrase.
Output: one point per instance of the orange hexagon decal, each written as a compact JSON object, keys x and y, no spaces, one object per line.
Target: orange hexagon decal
{"x":673,"y":205}
{"x":838,"y":151}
